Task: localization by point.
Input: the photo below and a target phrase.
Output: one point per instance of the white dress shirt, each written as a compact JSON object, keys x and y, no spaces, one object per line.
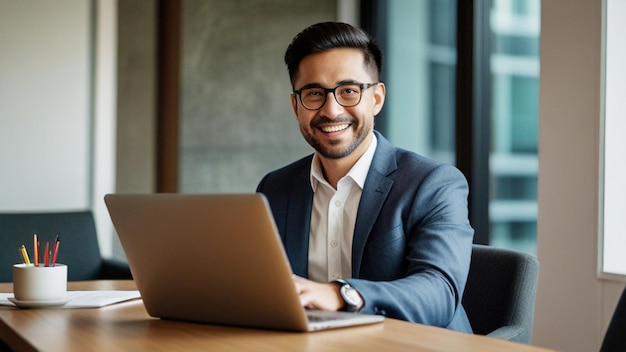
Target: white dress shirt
{"x":333,"y":218}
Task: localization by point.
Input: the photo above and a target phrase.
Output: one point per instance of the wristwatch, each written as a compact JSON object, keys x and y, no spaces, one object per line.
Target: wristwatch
{"x":349,"y":295}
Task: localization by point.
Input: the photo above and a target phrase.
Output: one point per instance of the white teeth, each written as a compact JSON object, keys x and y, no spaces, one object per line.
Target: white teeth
{"x":334,"y":128}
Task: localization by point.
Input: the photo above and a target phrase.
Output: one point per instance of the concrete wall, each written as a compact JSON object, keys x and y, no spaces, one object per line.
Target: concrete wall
{"x":136,"y":96}
{"x":236,"y":117}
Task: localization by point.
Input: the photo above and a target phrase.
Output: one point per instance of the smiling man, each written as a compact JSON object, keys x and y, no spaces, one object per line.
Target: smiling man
{"x":367,"y":227}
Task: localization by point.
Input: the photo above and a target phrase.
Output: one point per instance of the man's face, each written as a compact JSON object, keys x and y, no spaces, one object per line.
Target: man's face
{"x":333,"y":130}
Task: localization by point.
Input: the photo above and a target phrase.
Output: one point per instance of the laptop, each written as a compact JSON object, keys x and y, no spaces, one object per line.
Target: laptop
{"x":214,"y":259}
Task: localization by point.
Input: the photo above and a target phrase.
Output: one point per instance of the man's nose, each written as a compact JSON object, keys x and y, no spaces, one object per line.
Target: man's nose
{"x":331,"y":108}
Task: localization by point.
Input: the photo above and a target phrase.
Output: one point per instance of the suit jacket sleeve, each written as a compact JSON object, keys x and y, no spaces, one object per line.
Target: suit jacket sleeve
{"x":416,"y":259}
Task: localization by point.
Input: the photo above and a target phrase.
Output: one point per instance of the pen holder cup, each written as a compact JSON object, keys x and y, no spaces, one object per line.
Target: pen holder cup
{"x":39,"y":283}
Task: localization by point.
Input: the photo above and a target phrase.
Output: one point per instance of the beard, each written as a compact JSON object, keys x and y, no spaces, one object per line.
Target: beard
{"x":331,"y":149}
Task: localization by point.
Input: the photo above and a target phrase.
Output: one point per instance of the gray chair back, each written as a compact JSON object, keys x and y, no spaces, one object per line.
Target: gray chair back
{"x":499,"y":297}
{"x":78,"y":247}
{"x":615,"y":336}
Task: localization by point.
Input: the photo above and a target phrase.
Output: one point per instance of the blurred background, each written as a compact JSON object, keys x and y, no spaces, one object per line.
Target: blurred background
{"x":193,"y":96}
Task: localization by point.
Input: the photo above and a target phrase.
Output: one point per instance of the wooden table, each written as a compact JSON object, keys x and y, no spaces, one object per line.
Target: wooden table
{"x":127,"y":327}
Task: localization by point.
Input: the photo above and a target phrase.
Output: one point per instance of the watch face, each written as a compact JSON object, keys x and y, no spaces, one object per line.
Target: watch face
{"x":351,"y":297}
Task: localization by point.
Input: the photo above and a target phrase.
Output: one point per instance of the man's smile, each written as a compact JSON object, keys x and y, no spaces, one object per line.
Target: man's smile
{"x":334,"y":128}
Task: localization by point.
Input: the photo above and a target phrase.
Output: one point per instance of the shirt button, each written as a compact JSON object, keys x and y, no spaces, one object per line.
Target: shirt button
{"x":337,"y":204}
{"x":333,"y":243}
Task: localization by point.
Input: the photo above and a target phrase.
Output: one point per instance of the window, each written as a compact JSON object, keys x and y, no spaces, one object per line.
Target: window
{"x":420,"y":42}
{"x":513,"y":162}
{"x":613,"y":173}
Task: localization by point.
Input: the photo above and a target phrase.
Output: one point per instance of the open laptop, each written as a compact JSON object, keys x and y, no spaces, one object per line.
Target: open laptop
{"x":214,"y":259}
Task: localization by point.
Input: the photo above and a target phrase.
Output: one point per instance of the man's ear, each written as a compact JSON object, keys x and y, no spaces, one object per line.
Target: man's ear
{"x":379,"y":97}
{"x":294,"y":104}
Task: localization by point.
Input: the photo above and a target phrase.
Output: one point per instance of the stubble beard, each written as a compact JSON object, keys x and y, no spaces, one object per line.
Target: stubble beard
{"x":330,"y":152}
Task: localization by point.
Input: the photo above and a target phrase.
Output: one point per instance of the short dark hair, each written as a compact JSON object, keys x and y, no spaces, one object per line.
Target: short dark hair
{"x":330,"y":35}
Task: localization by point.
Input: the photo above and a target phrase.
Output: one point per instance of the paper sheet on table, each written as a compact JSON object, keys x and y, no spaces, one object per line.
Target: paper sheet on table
{"x":86,"y":299}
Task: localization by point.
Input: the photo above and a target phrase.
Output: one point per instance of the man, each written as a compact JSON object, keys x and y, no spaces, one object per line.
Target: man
{"x":367,"y":227}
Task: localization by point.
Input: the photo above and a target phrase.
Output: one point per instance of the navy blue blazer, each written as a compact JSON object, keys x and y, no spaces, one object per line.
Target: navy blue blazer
{"x":412,"y":238}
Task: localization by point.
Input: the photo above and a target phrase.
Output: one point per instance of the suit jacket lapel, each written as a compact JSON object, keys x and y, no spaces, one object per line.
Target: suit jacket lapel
{"x":375,"y":191}
{"x":296,"y":236}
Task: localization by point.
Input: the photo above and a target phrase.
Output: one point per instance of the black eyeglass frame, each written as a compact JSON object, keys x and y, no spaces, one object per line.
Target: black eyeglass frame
{"x":362,"y":86}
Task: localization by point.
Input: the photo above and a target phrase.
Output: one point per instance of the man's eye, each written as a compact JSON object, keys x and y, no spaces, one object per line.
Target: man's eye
{"x":312,"y":93}
{"x":349,"y":90}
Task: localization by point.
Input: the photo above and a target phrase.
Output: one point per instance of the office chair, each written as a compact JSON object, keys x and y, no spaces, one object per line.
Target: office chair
{"x":78,"y":247}
{"x":615,"y":336}
{"x":500,"y":293}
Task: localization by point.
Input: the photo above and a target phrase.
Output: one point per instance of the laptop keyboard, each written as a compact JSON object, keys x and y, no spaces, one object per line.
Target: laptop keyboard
{"x":318,"y":318}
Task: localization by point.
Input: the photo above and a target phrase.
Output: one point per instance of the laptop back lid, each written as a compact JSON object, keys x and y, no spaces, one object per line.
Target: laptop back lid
{"x":208,"y":258}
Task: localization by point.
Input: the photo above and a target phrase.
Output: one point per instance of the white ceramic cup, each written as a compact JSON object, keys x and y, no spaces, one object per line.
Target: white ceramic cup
{"x":39,"y":283}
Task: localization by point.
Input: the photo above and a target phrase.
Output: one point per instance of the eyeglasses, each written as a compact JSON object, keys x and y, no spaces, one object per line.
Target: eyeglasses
{"x":346,"y":95}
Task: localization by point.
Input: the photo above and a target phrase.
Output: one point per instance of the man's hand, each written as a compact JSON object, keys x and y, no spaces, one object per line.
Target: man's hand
{"x":315,"y":295}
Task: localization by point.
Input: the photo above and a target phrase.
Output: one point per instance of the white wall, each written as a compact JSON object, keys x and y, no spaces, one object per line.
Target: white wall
{"x":52,"y":113}
{"x":44,"y":105}
{"x":573,"y":304}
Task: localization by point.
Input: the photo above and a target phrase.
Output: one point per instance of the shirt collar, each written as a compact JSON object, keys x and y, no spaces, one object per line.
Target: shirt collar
{"x":357,"y":173}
